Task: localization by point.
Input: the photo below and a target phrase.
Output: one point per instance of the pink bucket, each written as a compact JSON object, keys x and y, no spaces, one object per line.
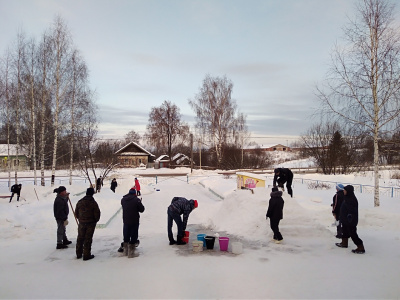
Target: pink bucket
{"x":223,"y":243}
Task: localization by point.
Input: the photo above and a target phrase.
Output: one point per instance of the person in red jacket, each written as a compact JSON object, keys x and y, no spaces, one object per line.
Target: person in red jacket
{"x":137,"y":187}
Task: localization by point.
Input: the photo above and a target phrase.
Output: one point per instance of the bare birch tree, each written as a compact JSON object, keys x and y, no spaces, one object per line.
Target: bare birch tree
{"x":216,"y":112}
{"x":165,"y":126}
{"x":18,"y":60}
{"x":363,"y":84}
{"x":61,"y":42}
{"x":6,"y":96}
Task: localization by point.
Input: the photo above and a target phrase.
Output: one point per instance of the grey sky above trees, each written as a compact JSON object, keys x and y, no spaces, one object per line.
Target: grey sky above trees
{"x":141,"y":53}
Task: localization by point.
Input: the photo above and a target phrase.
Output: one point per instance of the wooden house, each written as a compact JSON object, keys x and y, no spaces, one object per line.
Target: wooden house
{"x":133,"y":155}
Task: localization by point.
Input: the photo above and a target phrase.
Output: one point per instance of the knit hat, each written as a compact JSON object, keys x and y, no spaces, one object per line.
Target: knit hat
{"x":349,"y":188}
{"x":340,"y":187}
{"x":132,"y":191}
{"x":59,"y":189}
{"x":274,"y":189}
{"x":90,"y":191}
{"x":196,"y":204}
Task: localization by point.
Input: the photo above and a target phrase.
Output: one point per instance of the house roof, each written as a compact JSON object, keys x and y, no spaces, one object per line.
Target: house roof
{"x":163,"y":157}
{"x":267,"y":146}
{"x":13,"y":150}
{"x":133,"y":153}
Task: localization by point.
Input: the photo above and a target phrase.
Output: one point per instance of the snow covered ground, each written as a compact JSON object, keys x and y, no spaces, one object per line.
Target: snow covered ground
{"x":306,"y":265}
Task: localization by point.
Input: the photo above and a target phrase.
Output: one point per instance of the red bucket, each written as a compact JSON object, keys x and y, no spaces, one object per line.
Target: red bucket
{"x":186,"y":237}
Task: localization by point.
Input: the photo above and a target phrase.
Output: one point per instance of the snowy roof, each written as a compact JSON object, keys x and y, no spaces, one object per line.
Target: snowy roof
{"x":13,"y":150}
{"x":266,"y":146}
{"x":133,"y":153}
{"x":163,"y":157}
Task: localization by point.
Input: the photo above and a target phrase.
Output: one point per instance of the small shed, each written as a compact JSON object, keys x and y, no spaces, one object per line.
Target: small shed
{"x":181,"y":159}
{"x":162,"y":162}
{"x":133,"y":155}
{"x":250,"y":180}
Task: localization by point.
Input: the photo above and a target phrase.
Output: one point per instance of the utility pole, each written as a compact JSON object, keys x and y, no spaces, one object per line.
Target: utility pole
{"x":191,"y":153}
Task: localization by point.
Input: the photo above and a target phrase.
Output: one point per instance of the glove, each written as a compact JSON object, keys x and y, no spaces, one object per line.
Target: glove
{"x":66,"y":222}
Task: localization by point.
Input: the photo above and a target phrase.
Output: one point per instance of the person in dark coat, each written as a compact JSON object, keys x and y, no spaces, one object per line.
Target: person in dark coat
{"x":99,"y":184}
{"x":16,"y":189}
{"x":179,"y":206}
{"x":349,"y":220}
{"x":114,"y":184}
{"x":336,"y":205}
{"x":131,"y":207}
{"x":137,"y":187}
{"x":61,"y":212}
{"x":282,"y":176}
{"x":87,"y":211}
{"x":275,"y":213}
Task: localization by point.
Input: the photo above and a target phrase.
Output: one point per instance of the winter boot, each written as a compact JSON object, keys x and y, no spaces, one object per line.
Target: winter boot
{"x":360,"y":249}
{"x":131,"y":251}
{"x":66,"y":242}
{"x":179,"y":240}
{"x":344,"y":243}
{"x":121,"y":249}
{"x":61,"y":246}
{"x":125,"y":249}
{"x":88,"y":257}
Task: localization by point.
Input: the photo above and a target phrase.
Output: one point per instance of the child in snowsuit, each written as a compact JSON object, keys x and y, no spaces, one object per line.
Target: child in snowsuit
{"x":179,"y":206}
{"x":114,"y":184}
{"x":336,"y":204}
{"x":275,"y":213}
{"x":349,"y":220}
{"x":16,"y":189}
{"x":88,"y":213}
{"x":137,"y":187}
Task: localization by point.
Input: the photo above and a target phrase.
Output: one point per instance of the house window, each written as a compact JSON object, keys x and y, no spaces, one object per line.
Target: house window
{"x":16,"y":162}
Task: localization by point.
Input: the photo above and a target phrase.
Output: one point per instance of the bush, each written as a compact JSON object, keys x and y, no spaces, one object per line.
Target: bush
{"x":318,"y":186}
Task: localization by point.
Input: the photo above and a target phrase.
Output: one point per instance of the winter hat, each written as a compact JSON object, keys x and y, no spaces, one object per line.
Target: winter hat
{"x":340,"y":187}
{"x":274,"y":189}
{"x":90,"y":191}
{"x":132,"y":191}
{"x":349,"y":188}
{"x":196,"y":204}
{"x":59,"y":189}
{"x":277,"y":170}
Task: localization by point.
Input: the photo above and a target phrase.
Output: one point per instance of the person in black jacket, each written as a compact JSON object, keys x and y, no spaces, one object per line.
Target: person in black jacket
{"x":131,"y":207}
{"x":87,"y":211}
{"x":349,"y":220}
{"x":99,"y":184}
{"x":16,"y":189}
{"x":275,"y":213}
{"x":282,"y":176}
{"x":179,"y":206}
{"x":336,"y":205}
{"x":114,"y":184}
{"x":61,"y":212}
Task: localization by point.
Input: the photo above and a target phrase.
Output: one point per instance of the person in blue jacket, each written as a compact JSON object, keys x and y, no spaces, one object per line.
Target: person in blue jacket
{"x":179,"y":206}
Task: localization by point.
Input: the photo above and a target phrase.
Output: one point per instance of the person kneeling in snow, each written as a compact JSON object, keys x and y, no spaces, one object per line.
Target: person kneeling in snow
{"x":179,"y":206}
{"x":275,"y":213}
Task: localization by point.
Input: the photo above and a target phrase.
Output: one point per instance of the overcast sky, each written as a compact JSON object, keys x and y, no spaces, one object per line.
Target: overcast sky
{"x":143,"y":52}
